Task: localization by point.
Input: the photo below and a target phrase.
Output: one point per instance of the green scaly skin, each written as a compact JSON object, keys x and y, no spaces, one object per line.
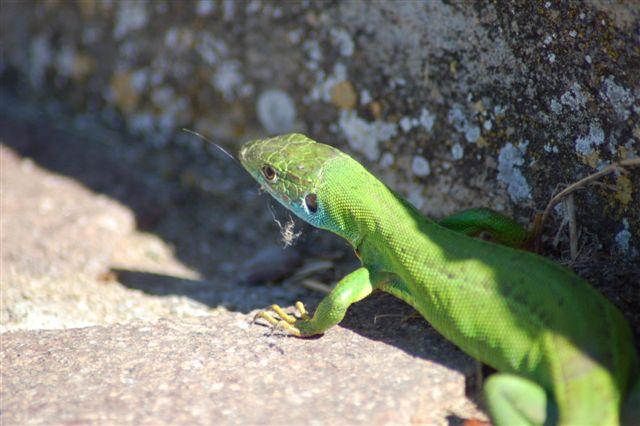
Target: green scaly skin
{"x":564,"y":353}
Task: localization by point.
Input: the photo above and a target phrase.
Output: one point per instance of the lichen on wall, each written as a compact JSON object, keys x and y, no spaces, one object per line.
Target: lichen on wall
{"x":454,"y":105}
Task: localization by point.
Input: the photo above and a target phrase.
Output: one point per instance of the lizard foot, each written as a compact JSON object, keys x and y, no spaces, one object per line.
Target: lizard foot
{"x":283,"y":320}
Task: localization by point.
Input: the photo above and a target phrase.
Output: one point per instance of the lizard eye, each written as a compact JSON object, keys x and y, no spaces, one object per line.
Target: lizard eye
{"x":311,"y":201}
{"x":269,"y":173}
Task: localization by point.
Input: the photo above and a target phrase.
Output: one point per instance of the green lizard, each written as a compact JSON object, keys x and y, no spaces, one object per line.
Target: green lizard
{"x":564,"y":353}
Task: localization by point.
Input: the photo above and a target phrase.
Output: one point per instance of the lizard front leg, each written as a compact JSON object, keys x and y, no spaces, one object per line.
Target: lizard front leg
{"x":331,"y":310}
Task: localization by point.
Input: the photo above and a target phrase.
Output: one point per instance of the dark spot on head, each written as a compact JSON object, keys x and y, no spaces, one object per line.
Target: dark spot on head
{"x":311,"y":201}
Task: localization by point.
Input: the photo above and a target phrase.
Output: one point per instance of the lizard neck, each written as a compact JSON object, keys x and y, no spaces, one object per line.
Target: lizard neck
{"x":359,"y":207}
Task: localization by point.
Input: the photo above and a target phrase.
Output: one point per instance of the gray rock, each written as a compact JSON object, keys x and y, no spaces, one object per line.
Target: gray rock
{"x":223,"y":370}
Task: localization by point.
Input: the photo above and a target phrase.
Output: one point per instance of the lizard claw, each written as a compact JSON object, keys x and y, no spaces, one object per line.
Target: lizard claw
{"x":280,"y":319}
{"x":303,"y":311}
{"x":283,"y":315}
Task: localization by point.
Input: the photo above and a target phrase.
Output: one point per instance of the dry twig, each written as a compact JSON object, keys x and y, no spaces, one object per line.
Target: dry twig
{"x":540,"y":220}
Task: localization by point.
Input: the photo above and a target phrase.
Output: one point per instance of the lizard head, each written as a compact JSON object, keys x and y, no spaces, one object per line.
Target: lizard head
{"x":290,"y":167}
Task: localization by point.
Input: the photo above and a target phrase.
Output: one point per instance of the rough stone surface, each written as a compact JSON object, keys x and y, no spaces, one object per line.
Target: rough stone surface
{"x":223,"y":370}
{"x":59,"y":242}
{"x":556,"y":82}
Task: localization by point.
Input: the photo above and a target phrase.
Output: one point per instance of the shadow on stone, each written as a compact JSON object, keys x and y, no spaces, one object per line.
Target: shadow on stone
{"x":380,"y":317}
{"x":158,"y":185}
{"x":164,"y":285}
